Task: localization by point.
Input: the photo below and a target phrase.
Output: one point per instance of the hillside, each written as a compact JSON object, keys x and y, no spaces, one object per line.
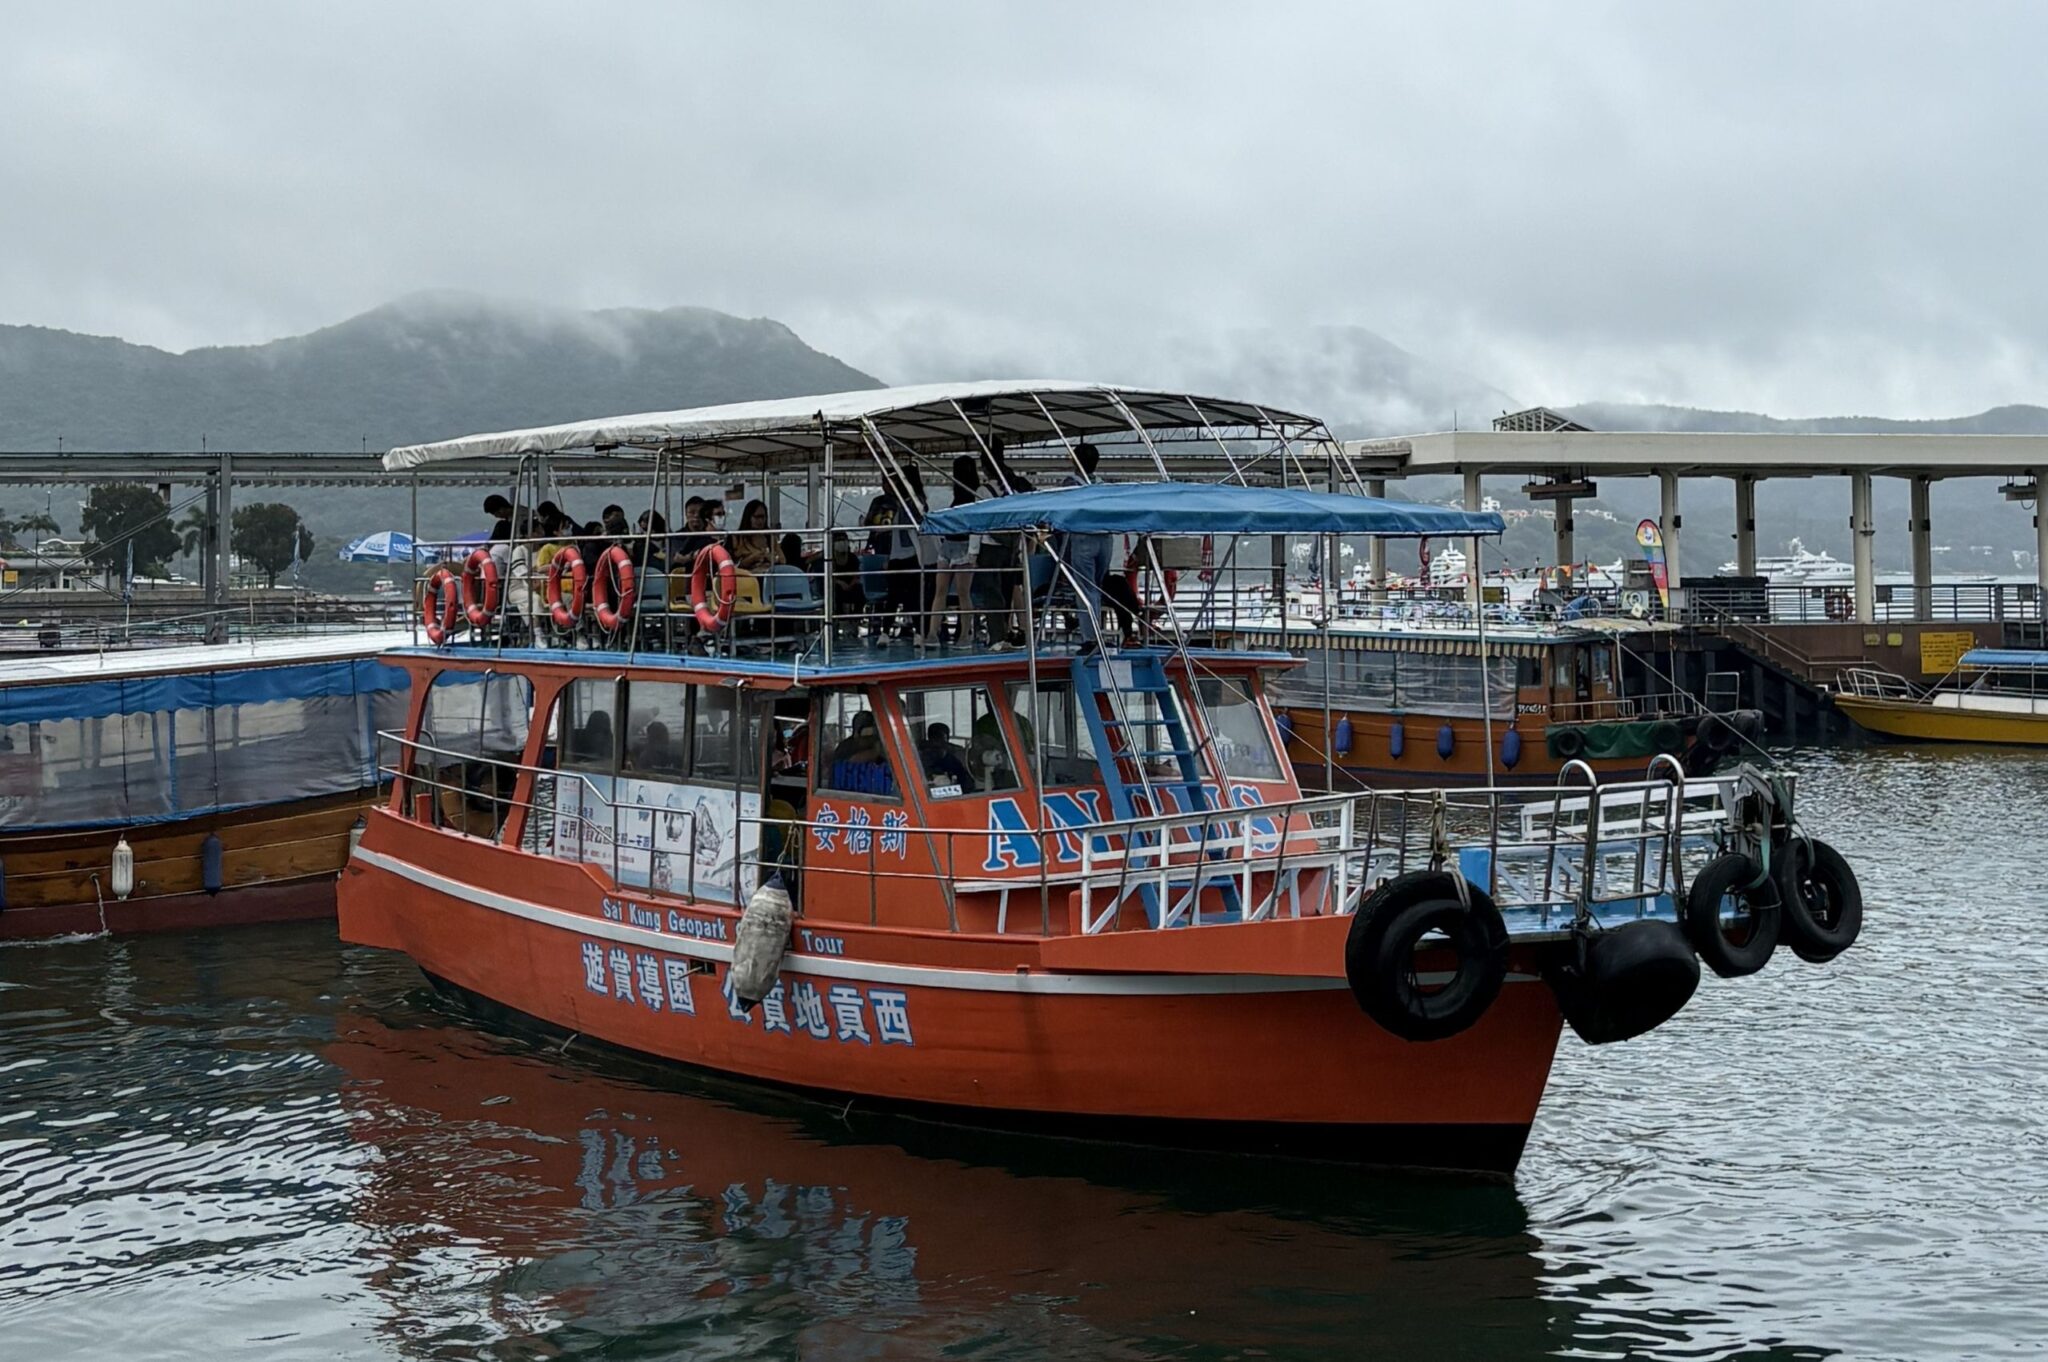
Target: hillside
{"x":2016,"y":419}
{"x":423,"y":368}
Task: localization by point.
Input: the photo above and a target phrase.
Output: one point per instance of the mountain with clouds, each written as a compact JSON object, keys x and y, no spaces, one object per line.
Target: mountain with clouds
{"x":425,"y":367}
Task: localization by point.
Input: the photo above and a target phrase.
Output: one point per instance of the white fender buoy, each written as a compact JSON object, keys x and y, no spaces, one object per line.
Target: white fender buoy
{"x":122,"y":873}
{"x":758,"y":945}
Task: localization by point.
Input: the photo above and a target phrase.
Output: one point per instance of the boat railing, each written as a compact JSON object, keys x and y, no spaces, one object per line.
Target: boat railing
{"x":1544,"y":856}
{"x":1874,"y":683}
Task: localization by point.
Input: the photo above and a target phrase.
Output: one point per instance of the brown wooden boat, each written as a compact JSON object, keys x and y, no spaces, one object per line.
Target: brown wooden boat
{"x":188,"y":786}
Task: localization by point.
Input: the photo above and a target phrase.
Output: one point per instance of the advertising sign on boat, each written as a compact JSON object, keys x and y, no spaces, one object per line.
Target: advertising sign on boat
{"x":662,"y":835}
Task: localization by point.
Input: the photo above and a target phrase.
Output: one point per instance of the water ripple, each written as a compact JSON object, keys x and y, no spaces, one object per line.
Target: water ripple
{"x":262,"y":1144}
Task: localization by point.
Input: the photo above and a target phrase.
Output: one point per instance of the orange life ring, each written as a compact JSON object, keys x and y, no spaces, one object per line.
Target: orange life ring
{"x":1840,"y":604}
{"x":713,"y":613}
{"x":481,"y":589}
{"x":615,"y":564}
{"x":439,"y":606}
{"x":567,"y":559}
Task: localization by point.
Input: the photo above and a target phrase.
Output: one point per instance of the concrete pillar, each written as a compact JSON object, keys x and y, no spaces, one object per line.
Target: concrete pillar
{"x":1745,"y":525}
{"x":1921,"y":522}
{"x":1864,"y":534}
{"x":1376,"y":547}
{"x":1567,"y":551}
{"x":1668,"y":521}
{"x":2040,"y":546}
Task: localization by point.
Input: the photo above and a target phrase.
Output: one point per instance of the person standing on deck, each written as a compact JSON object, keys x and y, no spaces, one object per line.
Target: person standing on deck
{"x":954,"y":553}
{"x":1087,"y":555}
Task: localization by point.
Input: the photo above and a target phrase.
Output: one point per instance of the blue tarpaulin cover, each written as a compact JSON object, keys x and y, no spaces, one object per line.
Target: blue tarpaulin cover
{"x":2005,"y":657}
{"x":196,"y":690}
{"x":1208,"y":508}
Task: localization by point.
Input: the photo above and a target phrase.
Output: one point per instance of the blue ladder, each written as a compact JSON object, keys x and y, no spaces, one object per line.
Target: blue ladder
{"x":1128,"y":735}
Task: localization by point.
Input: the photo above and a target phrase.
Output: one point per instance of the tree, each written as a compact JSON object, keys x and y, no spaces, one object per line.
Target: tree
{"x":37,"y":522}
{"x":265,"y":534}
{"x":121,"y":517}
{"x":192,"y":528}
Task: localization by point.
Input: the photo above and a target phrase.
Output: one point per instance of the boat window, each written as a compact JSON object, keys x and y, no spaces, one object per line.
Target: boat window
{"x":476,"y":715}
{"x":725,"y":737}
{"x":1069,"y":749}
{"x":1244,"y":747}
{"x":857,"y":760}
{"x":589,"y":735}
{"x":1354,"y":676}
{"x":657,"y":728}
{"x":472,"y":736}
{"x":961,"y":748}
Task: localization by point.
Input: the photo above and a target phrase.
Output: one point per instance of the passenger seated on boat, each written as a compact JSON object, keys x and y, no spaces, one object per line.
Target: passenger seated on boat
{"x":593,"y":741}
{"x":989,"y":755}
{"x":650,"y":545}
{"x":655,"y":751}
{"x":860,"y":762}
{"x":943,"y":766}
{"x":753,"y":547}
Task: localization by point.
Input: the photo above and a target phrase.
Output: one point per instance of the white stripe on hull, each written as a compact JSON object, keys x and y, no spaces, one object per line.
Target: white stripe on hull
{"x":842,"y":967}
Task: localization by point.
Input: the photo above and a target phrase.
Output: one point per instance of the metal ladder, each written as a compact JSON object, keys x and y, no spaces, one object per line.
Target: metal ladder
{"x":1127,"y":737}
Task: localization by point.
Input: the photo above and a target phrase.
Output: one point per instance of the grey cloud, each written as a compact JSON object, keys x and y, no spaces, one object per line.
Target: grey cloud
{"x":1796,"y":208}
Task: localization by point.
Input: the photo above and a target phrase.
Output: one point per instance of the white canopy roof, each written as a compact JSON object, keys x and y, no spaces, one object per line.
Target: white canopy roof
{"x":928,"y":417}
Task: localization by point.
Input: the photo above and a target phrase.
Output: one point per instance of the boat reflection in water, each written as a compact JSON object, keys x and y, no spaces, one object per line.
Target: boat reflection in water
{"x":602,"y":1210}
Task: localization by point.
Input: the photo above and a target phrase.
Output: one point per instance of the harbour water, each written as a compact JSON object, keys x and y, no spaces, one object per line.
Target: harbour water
{"x":263,"y":1144}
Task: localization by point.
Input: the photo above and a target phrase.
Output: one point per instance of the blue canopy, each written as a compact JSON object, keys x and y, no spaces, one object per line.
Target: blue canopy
{"x":2005,"y":657}
{"x":1207,"y":508}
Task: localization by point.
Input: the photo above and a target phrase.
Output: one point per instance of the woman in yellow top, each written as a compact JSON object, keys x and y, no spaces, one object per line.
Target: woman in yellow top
{"x":753,"y":545}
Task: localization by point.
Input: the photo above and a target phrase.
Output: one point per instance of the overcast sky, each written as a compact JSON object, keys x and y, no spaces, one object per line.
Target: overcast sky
{"x":1805,"y":209}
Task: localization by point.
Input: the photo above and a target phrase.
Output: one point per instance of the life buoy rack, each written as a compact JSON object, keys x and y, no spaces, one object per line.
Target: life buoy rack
{"x":567,"y":561}
{"x":482,"y":589}
{"x":440,"y":606}
{"x":1839,"y":604}
{"x":614,"y":566}
{"x":713,"y":607}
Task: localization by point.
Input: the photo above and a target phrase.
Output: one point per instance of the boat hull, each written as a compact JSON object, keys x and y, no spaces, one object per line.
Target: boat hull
{"x":1372,"y":764}
{"x":278,"y":864}
{"x":1193,"y":1054}
{"x":1915,"y":722}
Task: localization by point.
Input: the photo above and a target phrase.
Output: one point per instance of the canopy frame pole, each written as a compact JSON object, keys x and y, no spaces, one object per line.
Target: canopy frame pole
{"x":1143,"y":435}
{"x":1037,"y":735}
{"x":1209,"y":429}
{"x":414,"y":621}
{"x":829,"y":577}
{"x":1287,"y":453}
{"x":1073,"y":454}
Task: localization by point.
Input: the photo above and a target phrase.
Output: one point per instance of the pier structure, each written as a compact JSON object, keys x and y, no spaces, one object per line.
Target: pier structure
{"x":1561,"y":465}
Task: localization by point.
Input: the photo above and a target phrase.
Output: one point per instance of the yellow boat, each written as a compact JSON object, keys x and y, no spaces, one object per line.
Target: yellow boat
{"x":1995,"y":695}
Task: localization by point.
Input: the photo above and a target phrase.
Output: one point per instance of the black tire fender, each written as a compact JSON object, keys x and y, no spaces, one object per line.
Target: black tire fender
{"x":1750,"y":948}
{"x":1568,"y":743}
{"x":1379,"y":955}
{"x":1823,"y":903}
{"x":1716,"y":734}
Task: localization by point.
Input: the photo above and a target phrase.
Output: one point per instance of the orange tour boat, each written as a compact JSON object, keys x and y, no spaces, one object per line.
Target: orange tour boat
{"x":1069,"y":887}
